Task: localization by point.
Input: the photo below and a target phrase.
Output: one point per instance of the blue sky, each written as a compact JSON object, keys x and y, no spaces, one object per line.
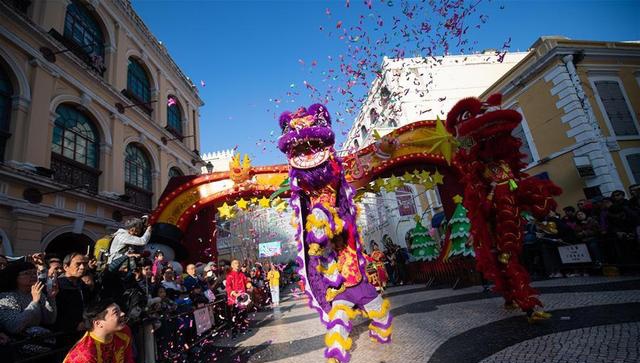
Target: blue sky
{"x":249,"y":52}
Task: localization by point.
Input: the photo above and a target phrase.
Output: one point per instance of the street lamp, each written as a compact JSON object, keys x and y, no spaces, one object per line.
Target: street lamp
{"x":209,"y":167}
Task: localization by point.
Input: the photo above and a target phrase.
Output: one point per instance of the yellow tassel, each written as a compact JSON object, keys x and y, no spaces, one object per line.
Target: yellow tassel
{"x":381,"y":313}
{"x":333,"y":267}
{"x":315,"y":250}
{"x":332,"y":293}
{"x":351,"y":313}
{"x":383,"y":333}
{"x":331,"y":339}
{"x":313,"y":222}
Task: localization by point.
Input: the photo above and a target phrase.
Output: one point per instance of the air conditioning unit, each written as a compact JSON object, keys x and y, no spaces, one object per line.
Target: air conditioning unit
{"x":584,"y":166}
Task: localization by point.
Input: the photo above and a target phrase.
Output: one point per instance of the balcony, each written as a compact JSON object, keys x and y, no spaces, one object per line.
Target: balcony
{"x":73,"y":173}
{"x":138,"y":196}
{"x":95,"y":64}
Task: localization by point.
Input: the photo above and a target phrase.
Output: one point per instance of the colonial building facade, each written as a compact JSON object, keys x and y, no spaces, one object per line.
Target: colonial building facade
{"x":410,"y":90}
{"x":95,"y":118}
{"x":580,"y":101}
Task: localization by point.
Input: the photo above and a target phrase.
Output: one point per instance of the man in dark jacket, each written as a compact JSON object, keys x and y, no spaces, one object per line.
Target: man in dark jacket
{"x":73,"y":297}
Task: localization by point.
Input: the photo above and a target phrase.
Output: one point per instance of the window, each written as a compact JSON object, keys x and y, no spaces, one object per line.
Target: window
{"x":83,"y":31}
{"x":137,"y":168}
{"x":392,"y":123}
{"x":373,"y":116}
{"x":364,"y":132}
{"x":615,"y":106}
{"x":75,"y":137}
{"x":523,"y":133}
{"x":137,"y":176}
{"x":74,"y":148}
{"x":631,"y":162}
{"x":175,"y":171}
{"x":138,"y":84}
{"x":6,"y":96}
{"x":406,"y":203}
{"x":174,"y":116}
{"x":356,"y":144}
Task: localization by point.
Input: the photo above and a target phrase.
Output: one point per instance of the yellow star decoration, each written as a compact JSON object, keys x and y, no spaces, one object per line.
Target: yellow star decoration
{"x":242,"y":204}
{"x":280,"y":207}
{"x":425,"y":177}
{"x":437,"y":177}
{"x":457,"y":199}
{"x":438,"y":140}
{"x":225,"y":211}
{"x":254,"y":200}
{"x":393,"y":183}
{"x":378,"y":184}
{"x":264,"y":202}
{"x":408,"y":177}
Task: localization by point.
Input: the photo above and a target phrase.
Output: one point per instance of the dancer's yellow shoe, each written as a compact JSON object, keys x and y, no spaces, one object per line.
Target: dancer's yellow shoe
{"x":537,"y":316}
{"x":332,"y":360}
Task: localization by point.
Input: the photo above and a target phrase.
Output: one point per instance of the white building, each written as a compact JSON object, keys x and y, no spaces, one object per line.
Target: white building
{"x":410,"y":90}
{"x":219,"y":160}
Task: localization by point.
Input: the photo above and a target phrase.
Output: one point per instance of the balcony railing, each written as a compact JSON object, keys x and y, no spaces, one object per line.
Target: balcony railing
{"x":74,"y":173}
{"x":96,"y":64}
{"x":138,"y":196}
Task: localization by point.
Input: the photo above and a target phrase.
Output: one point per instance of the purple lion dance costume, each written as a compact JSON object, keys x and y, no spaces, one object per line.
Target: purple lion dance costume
{"x":330,"y":259}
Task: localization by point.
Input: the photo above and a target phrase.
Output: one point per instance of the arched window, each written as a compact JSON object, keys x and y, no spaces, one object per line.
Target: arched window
{"x":174,"y":116}
{"x":175,"y":171}
{"x":356,"y":144}
{"x":138,"y":84}
{"x":364,"y":132}
{"x":406,"y":202}
{"x":137,"y":176}
{"x":85,"y":35}
{"x":392,"y":123}
{"x":373,"y":116}
{"x":6,"y":96}
{"x":74,"y":148}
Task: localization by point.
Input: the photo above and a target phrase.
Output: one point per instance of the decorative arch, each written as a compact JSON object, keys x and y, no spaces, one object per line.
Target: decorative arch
{"x":51,"y":235}
{"x":144,"y":143}
{"x":19,"y":78}
{"x":101,"y":122}
{"x":107,"y":26}
{"x":135,"y":54}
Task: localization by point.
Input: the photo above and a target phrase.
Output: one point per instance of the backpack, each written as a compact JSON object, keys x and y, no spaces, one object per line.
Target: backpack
{"x":102,"y":247}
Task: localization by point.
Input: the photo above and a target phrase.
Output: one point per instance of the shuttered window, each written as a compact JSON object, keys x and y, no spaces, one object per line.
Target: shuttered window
{"x":616,"y":107}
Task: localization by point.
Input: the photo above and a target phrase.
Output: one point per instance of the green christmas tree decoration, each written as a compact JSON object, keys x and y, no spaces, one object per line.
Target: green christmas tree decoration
{"x":423,"y":246}
{"x":460,"y":226}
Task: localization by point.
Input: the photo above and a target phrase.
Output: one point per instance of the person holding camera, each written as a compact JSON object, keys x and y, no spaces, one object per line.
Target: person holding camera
{"x":25,"y":302}
{"x":129,"y":238}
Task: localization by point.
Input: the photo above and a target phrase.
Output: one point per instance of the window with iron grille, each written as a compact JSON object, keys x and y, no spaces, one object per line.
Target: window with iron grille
{"x":616,"y":107}
{"x":138,"y":83}
{"x":137,"y":168}
{"x":518,"y":133}
{"x":81,"y":28}
{"x":633,"y":160}
{"x":175,"y":171}
{"x":75,"y":137}
{"x":74,"y":149}
{"x":6,"y":96}
{"x":174,"y":116}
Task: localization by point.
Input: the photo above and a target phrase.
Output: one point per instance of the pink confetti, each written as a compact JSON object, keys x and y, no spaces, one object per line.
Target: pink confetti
{"x":171,"y":101}
{"x":339,"y":24}
{"x":202,"y":84}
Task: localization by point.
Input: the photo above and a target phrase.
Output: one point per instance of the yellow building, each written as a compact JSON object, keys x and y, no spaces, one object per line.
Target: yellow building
{"x":580,"y":101}
{"x":90,"y":101}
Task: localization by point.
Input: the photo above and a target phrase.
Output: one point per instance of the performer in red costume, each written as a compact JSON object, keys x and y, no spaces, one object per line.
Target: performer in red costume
{"x":496,"y":193}
{"x":236,"y":286}
{"x":108,"y":338}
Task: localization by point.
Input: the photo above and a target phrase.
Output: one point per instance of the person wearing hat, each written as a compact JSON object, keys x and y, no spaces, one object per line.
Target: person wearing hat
{"x":108,"y":338}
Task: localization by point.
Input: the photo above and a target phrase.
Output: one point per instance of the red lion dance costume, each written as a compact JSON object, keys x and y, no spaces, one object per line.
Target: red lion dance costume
{"x":496,"y":193}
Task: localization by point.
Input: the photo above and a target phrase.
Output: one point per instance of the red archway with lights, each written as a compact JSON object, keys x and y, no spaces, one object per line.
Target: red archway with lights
{"x":185,"y":216}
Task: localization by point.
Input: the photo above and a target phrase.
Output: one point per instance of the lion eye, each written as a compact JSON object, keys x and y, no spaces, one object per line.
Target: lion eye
{"x":466,"y":115}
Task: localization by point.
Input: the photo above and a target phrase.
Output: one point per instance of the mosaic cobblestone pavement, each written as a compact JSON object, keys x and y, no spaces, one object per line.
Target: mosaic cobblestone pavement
{"x":595,"y":319}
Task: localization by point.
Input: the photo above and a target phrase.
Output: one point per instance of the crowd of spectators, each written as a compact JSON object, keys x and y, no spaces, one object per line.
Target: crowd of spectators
{"x":41,"y":295}
{"x":607,"y":226}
